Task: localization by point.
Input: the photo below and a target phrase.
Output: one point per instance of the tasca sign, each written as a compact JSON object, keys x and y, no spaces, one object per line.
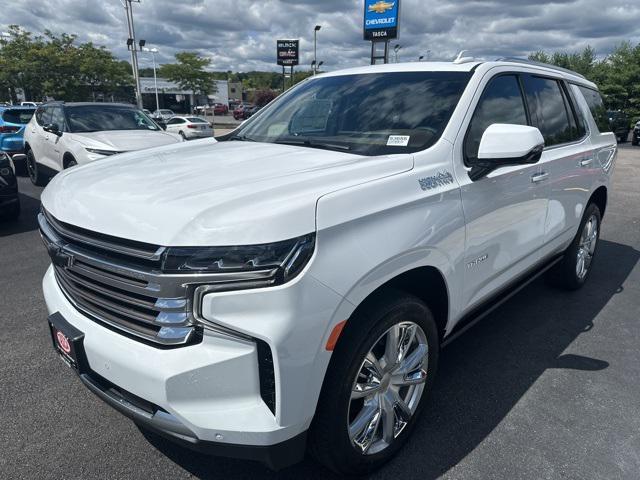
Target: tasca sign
{"x":381,"y":19}
{"x":288,"y":52}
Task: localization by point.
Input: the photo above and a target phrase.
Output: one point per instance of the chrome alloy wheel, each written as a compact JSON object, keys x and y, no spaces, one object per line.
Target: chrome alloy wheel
{"x":587,"y":247}
{"x":387,"y":389}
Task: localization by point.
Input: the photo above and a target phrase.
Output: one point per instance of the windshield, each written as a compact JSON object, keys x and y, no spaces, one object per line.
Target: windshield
{"x":19,"y":116}
{"x":92,"y":118}
{"x":368,"y":114}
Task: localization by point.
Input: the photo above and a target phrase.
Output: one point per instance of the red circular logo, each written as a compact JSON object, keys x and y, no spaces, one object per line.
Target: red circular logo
{"x":63,"y":342}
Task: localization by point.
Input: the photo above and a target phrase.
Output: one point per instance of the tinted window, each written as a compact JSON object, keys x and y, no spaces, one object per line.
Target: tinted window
{"x":501,"y":102}
{"x":173,"y":121}
{"x":57,"y":117}
{"x":19,"y":116}
{"x":196,"y":120}
{"x":368,"y":114}
{"x":43,"y":115}
{"x":96,"y":118}
{"x":548,"y":110}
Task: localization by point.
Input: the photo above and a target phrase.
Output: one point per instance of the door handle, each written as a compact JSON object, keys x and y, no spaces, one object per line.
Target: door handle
{"x":539,"y":177}
{"x":585,"y":162}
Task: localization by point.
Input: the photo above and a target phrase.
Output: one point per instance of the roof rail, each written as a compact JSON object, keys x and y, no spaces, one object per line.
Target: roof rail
{"x":538,"y":64}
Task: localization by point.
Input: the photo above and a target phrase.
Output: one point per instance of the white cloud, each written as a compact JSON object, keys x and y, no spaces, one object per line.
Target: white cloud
{"x":240,"y":35}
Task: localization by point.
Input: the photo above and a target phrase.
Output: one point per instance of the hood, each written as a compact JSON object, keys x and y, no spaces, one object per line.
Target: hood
{"x":208,"y":193}
{"x":125,"y":140}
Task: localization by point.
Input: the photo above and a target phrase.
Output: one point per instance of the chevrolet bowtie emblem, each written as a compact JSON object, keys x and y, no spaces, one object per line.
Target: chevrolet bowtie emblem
{"x":381,"y":6}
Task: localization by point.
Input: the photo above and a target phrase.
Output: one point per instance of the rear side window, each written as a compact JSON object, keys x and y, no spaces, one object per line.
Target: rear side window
{"x":596,"y":106}
{"x":19,"y":116}
{"x":550,"y":112}
{"x":501,"y":102}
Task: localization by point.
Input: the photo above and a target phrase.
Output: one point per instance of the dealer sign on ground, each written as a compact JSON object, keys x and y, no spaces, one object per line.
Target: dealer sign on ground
{"x":288,"y":52}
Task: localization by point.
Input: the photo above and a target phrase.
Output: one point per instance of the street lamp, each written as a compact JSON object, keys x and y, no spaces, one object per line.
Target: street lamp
{"x":315,"y":48}
{"x":420,"y":58}
{"x":319,"y":65}
{"x":395,"y":50}
{"x":153,"y":52}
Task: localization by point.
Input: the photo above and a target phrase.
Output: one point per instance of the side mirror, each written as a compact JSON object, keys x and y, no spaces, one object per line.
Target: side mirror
{"x":53,"y":128}
{"x":503,"y":145}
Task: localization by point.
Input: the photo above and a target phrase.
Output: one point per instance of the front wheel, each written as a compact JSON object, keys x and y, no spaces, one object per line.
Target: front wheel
{"x":376,"y":385}
{"x":35,"y":173}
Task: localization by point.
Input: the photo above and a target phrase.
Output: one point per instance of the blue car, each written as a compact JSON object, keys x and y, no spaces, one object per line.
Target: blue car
{"x":13,"y":121}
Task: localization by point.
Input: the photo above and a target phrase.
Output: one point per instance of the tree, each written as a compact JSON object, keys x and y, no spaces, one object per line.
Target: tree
{"x":189,"y":73}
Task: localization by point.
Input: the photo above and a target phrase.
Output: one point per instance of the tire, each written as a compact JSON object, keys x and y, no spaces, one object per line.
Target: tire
{"x":35,"y":173}
{"x":337,"y":413}
{"x":71,"y":163}
{"x":634,"y":141}
{"x":181,"y":133}
{"x":568,"y":274}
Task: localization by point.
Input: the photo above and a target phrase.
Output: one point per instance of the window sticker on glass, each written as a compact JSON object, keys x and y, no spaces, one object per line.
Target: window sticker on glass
{"x":398,"y":140}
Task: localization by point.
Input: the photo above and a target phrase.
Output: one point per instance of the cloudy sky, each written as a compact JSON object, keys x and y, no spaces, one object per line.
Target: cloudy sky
{"x":240,"y":35}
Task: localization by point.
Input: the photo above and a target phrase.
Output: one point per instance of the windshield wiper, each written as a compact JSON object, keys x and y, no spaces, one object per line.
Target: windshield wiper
{"x":307,"y":142}
{"x":242,"y":138}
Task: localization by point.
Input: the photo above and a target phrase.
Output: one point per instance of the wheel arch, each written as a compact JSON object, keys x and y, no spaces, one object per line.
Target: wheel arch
{"x":599,"y":197}
{"x":425,"y":282}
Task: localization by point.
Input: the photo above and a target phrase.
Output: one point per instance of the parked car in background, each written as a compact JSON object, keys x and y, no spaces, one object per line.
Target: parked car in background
{"x":635,"y":136}
{"x":147,"y":112}
{"x":29,"y":104}
{"x":189,"y":127}
{"x":12,"y":125}
{"x":61,"y":135}
{"x":620,"y":124}
{"x":243,"y":111}
{"x":292,"y":284}
{"x":163,"y":114}
{"x":9,"y":198}
{"x":220,"y":109}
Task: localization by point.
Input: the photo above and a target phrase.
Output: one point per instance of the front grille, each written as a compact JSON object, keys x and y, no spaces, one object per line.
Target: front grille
{"x":118,"y":283}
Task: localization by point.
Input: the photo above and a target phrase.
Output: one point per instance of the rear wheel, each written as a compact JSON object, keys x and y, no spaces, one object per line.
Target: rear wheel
{"x":574,"y":269}
{"x":181,"y":133}
{"x":376,"y":385}
{"x":35,"y":174}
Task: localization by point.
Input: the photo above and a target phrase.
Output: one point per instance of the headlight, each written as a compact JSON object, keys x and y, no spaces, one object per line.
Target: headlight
{"x":98,"y":151}
{"x":282,"y":260}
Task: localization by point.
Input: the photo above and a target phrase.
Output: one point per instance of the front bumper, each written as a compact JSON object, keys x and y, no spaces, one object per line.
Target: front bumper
{"x":211,"y":390}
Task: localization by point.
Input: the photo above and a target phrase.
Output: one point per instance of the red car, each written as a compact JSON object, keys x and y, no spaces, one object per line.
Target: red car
{"x":243,"y":111}
{"x":220,"y":109}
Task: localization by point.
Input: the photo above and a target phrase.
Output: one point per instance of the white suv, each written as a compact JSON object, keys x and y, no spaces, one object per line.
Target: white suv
{"x":291,"y":285}
{"x":62,"y":135}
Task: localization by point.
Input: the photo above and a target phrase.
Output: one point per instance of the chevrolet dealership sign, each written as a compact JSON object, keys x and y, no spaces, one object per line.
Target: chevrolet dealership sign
{"x":381,"y":19}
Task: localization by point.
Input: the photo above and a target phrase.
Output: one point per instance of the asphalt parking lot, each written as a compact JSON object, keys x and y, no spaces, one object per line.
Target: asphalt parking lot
{"x":547,"y":387}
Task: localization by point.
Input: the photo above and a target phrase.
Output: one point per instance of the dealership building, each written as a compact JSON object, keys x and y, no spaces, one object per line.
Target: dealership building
{"x":171,"y":96}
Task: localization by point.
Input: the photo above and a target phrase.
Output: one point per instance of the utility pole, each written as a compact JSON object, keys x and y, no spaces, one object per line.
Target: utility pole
{"x":153,"y":52}
{"x":132,"y":46}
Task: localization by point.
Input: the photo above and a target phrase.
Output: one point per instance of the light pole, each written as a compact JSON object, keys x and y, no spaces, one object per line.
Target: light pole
{"x":395,"y":50}
{"x":315,"y":48}
{"x":153,"y":52}
{"x":131,"y":45}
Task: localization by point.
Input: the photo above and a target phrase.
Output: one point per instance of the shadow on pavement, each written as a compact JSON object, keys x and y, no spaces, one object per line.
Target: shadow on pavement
{"x":482,"y":375}
{"x":28,"y":220}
